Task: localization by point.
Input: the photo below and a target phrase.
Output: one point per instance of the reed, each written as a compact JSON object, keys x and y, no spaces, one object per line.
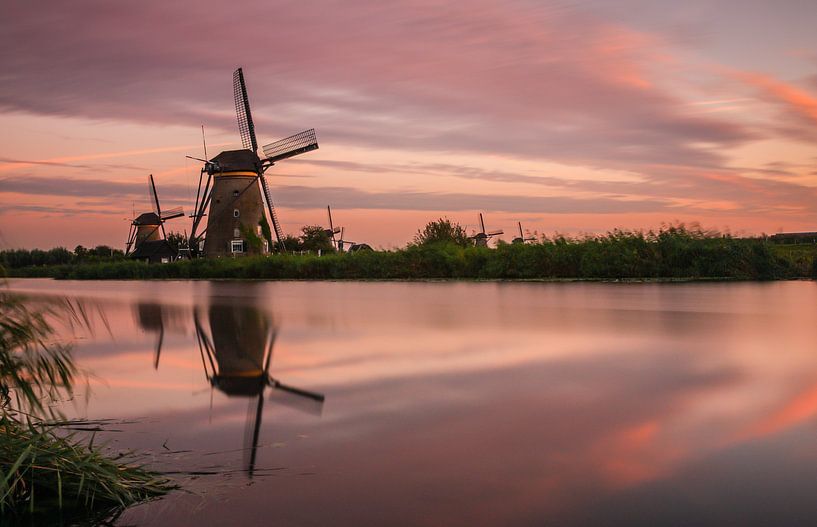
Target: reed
{"x":47,"y":471}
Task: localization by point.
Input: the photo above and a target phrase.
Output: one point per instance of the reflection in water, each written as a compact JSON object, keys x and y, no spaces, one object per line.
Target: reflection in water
{"x":235,"y":356}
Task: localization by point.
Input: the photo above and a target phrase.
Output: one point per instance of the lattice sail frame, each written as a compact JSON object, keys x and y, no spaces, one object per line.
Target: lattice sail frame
{"x":169,"y":214}
{"x":291,"y":146}
{"x":246,"y":128}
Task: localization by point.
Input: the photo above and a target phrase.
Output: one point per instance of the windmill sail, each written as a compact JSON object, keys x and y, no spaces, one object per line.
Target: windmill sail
{"x":154,"y":199}
{"x":293,"y":145}
{"x":169,"y":214}
{"x":246,"y":128}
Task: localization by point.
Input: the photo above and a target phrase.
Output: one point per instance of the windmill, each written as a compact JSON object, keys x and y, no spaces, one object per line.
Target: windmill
{"x":481,"y":238}
{"x":236,"y":356}
{"x":341,"y":242}
{"x":234,"y":193}
{"x":147,"y":236}
{"x":332,"y":231}
{"x":521,"y":238}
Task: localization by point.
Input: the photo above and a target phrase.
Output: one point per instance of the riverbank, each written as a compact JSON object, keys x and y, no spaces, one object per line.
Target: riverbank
{"x":617,"y":256}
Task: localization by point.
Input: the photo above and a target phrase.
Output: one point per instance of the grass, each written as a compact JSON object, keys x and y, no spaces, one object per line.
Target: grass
{"x":671,"y":253}
{"x":45,"y":471}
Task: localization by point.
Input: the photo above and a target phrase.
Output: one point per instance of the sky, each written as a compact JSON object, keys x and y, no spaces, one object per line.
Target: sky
{"x":567,"y":116}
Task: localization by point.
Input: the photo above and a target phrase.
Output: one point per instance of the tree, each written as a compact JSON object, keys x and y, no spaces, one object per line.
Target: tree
{"x":442,"y":230}
{"x":315,"y":238}
{"x":177,"y":240}
{"x":292,"y":244}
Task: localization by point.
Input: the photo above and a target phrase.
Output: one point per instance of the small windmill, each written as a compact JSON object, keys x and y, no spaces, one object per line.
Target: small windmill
{"x":236,"y":188}
{"x":481,"y":238}
{"x":521,"y":238}
{"x":150,"y":226}
{"x":332,"y":230}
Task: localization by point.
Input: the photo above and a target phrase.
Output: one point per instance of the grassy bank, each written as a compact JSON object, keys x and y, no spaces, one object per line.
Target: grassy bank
{"x":48,"y":475}
{"x":674,"y":253}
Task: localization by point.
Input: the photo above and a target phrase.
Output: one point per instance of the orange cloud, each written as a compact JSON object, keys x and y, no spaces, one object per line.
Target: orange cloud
{"x":793,"y":97}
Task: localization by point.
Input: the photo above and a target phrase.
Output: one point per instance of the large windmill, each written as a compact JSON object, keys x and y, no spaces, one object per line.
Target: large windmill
{"x":522,"y":238}
{"x":147,"y":231}
{"x":234,"y":193}
{"x":481,"y":238}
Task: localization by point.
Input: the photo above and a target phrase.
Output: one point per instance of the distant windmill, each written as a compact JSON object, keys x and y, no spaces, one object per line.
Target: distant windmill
{"x":236,"y":188}
{"x":147,"y":231}
{"x":350,"y":246}
{"x":481,"y":238}
{"x":332,"y":230}
{"x":521,"y":238}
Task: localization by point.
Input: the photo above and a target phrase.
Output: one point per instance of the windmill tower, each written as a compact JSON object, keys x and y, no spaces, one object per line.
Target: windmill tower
{"x":236,"y":189}
{"x":236,"y":356}
{"x":147,"y":231}
{"x":521,"y":238}
{"x":481,"y":238}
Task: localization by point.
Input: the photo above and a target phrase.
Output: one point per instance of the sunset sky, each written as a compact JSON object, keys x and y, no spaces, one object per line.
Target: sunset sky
{"x":567,"y":116}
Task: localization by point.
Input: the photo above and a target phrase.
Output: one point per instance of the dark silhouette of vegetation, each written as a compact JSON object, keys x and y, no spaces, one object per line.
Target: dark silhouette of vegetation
{"x":313,"y":238}
{"x":47,"y":474}
{"x":177,"y":240}
{"x":442,"y":230}
{"x":17,"y":258}
{"x":675,"y":252}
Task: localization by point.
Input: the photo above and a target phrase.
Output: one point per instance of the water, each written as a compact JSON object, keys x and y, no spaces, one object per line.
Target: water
{"x":459,"y":403}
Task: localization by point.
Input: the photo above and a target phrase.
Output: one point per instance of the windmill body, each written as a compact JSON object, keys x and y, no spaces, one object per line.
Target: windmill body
{"x":237,"y":207}
{"x":147,"y":228}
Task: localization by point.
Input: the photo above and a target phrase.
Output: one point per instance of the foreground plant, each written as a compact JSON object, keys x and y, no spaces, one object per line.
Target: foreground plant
{"x":44,"y":469}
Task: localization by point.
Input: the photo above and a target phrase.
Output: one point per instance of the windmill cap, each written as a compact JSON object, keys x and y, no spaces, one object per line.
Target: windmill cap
{"x":237,"y":161}
{"x":147,"y":218}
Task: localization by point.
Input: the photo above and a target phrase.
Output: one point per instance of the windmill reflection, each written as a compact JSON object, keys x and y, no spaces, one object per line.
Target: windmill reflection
{"x":158,"y":318}
{"x":236,"y":357}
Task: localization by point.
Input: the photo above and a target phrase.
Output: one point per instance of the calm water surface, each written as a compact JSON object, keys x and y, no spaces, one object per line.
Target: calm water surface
{"x":458,"y":403}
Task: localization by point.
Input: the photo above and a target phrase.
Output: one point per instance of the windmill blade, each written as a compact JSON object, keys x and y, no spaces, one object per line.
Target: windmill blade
{"x":520,"y":229}
{"x":495,"y":233}
{"x":159,"y":347}
{"x":172,"y":213}
{"x":332,"y":230}
{"x":481,"y":223}
{"x":131,"y":239}
{"x":157,"y":209}
{"x":306,"y":405}
{"x":329,"y":210}
{"x":251,"y":445}
{"x":154,"y":199}
{"x":246,"y":128}
{"x":293,"y":145}
{"x":296,"y":391}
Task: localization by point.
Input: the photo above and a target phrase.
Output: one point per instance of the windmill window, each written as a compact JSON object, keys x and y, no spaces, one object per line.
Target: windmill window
{"x":235,"y":193}
{"x":237,"y":246}
{"x":236,"y":213}
{"x":236,"y":233}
